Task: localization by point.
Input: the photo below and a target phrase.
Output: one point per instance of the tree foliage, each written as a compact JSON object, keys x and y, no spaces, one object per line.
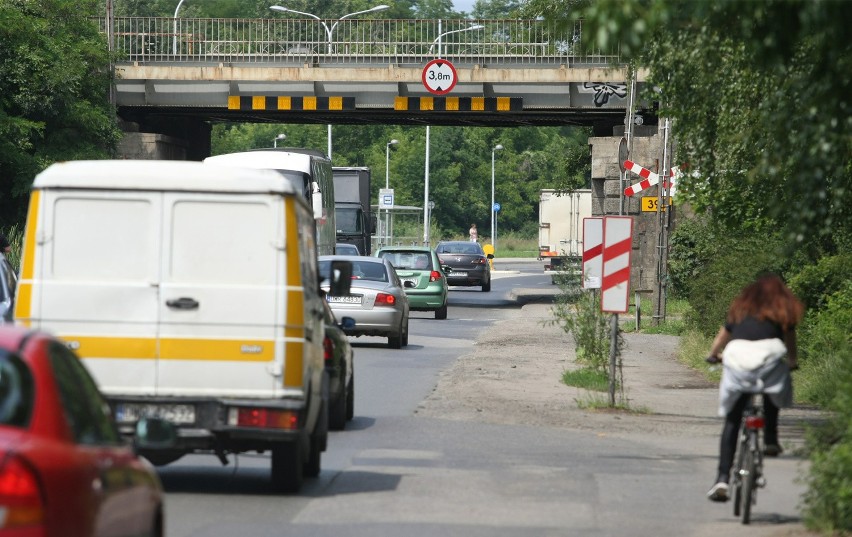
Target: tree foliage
{"x":54,"y":93}
{"x":759,"y":96}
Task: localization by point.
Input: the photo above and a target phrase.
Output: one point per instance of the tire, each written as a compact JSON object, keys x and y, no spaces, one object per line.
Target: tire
{"x":486,"y":287}
{"x":748,"y":485}
{"x":311,"y":468}
{"x":350,"y":398}
{"x":738,"y":476}
{"x":405,"y":335}
{"x":287,"y":467}
{"x":395,"y":342}
{"x":441,"y":313}
{"x":337,"y":412}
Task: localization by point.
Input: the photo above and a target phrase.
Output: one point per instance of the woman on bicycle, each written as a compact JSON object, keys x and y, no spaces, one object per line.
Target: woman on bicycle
{"x":759,"y":330}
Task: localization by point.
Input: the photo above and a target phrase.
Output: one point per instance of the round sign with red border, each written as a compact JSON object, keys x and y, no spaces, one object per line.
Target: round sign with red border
{"x":439,"y":76}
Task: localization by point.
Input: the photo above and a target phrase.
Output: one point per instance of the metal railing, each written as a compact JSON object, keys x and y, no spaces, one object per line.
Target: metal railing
{"x":352,"y":41}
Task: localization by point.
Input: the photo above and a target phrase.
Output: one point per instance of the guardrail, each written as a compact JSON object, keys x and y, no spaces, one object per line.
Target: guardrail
{"x":368,"y":41}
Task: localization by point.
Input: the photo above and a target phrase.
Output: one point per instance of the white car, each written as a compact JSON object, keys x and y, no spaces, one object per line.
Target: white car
{"x":377,"y":300}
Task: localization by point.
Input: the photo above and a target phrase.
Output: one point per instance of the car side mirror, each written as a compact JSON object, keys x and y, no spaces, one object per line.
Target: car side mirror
{"x":408,"y":284}
{"x":341,"y":278}
{"x":446,"y":268}
{"x":490,"y":256}
{"x":373,"y":224}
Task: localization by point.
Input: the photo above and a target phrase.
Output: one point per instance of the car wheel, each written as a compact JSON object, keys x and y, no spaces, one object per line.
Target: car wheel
{"x":350,"y":398}
{"x":486,"y":287}
{"x":405,"y":335}
{"x":337,"y":413}
{"x":441,"y":313}
{"x":395,"y":341}
{"x":287,"y":467}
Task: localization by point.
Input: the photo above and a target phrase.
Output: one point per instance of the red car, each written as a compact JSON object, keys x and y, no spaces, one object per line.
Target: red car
{"x":64,"y":469}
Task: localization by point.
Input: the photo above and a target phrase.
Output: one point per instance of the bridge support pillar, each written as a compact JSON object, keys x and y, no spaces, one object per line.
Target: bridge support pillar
{"x":173,"y":139}
{"x":607,"y":190}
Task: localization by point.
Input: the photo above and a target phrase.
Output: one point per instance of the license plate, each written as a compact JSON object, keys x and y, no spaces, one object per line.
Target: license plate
{"x":132,"y":412}
{"x":348,"y":299}
{"x":457,"y":275}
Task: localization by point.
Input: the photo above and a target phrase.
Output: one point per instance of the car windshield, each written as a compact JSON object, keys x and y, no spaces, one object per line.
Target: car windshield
{"x":361,"y":270}
{"x":463,"y":248}
{"x":409,"y":260}
{"x":16,"y":391}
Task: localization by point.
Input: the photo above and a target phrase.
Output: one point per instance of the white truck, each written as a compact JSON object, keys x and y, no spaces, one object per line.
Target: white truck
{"x":560,"y":228}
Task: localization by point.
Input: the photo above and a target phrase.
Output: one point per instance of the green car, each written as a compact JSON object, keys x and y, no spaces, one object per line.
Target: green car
{"x":422,"y":277}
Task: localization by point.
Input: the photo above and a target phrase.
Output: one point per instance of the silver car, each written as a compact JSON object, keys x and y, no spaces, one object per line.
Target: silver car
{"x":377,"y":300}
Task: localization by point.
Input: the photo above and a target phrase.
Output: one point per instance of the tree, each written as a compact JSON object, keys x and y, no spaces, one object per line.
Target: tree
{"x":54,"y":94}
{"x":759,"y":95}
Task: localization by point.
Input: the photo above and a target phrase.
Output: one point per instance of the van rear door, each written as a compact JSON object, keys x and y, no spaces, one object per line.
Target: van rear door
{"x":97,"y":262}
{"x":219,"y":308}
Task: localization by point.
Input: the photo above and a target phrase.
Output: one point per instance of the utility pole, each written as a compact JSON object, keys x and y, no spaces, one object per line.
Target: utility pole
{"x":663,"y":219}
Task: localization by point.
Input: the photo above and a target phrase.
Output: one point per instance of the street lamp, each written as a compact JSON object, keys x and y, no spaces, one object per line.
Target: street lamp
{"x":387,"y":180}
{"x":494,"y":150}
{"x":329,"y":32}
{"x":437,"y":40}
{"x":280,"y":138}
{"x":174,"y":22}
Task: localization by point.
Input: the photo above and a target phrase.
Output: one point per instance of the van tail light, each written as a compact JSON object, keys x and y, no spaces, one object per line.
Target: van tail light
{"x":328,"y":348}
{"x":20,"y":495}
{"x":384,"y":299}
{"x":263,"y":418}
{"x":434,"y":276}
{"x":754,"y":422}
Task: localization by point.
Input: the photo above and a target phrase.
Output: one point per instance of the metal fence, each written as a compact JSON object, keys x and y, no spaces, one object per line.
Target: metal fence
{"x":319,"y":42}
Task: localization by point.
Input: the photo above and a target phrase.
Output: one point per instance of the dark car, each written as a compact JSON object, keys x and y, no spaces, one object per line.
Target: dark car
{"x":422,"y":276}
{"x":339,"y":365}
{"x":468,"y":264}
{"x":8,"y":283}
{"x":64,"y":467}
{"x":342,"y":248}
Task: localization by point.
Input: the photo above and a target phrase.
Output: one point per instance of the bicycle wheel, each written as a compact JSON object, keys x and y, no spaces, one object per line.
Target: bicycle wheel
{"x":748,"y":481}
{"x":737,"y":474}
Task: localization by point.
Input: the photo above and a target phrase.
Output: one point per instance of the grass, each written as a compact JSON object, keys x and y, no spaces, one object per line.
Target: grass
{"x":587,"y":378}
{"x":673,"y":324}
{"x":601,"y":402}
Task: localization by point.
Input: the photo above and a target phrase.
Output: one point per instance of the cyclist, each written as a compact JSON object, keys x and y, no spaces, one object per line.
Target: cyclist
{"x":759,"y":330}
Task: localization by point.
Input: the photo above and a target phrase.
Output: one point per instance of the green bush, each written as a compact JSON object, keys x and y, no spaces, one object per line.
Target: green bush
{"x":815,"y":283}
{"x":735,"y":262}
{"x":826,"y":379}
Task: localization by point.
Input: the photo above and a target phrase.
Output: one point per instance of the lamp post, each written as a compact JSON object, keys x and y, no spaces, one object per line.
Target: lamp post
{"x":281,"y":137}
{"x":174,"y":22}
{"x":387,"y":182}
{"x":329,"y":32}
{"x":426,"y":240}
{"x":494,"y":150}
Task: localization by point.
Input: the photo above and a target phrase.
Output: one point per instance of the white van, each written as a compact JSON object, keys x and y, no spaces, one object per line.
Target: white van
{"x":190,"y":290}
{"x":308,"y":170}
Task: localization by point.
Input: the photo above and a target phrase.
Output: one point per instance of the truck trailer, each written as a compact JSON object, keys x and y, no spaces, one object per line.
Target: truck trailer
{"x":355,"y":222}
{"x":560,"y":228}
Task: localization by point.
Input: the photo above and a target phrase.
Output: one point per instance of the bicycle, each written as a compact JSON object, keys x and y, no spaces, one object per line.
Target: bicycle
{"x":747,"y":474}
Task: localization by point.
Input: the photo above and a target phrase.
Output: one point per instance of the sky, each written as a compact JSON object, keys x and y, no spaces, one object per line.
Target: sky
{"x":463,"y":5}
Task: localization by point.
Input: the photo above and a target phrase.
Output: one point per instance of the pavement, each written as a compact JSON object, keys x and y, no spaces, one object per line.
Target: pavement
{"x":521,"y":360}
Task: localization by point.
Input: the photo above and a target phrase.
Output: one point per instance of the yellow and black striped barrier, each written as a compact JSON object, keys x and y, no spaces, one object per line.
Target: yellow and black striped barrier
{"x":459,"y":104}
{"x":287,"y":103}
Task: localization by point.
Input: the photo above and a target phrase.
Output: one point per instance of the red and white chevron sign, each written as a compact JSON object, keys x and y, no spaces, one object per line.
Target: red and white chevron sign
{"x":592,"y":252}
{"x":650,"y":178}
{"x":617,"y":244}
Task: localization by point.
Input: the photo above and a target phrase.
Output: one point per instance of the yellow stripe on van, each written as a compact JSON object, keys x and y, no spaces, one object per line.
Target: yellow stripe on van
{"x":238,"y":350}
{"x":24,"y":299}
{"x":294,"y":322}
{"x":113,"y":347}
{"x":293,"y":372}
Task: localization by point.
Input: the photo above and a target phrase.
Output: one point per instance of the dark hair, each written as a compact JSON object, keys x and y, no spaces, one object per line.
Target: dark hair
{"x":4,"y":242}
{"x":767,"y":299}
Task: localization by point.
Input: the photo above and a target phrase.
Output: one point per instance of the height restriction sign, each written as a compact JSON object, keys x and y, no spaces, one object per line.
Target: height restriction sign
{"x":439,"y":76}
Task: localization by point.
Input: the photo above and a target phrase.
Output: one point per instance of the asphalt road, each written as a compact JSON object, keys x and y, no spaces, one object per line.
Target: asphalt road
{"x":395,"y":472}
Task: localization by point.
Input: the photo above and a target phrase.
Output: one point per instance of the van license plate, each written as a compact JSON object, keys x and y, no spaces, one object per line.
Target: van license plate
{"x":349,"y":299}
{"x":132,"y":412}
